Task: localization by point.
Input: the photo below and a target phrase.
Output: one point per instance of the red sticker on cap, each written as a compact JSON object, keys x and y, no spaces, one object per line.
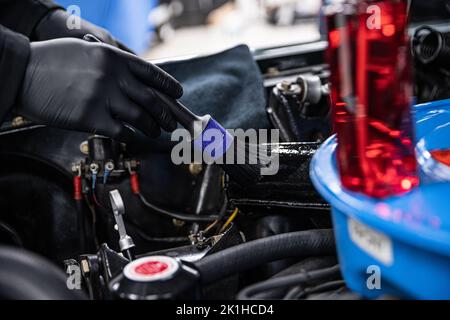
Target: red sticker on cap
{"x":151,"y":268}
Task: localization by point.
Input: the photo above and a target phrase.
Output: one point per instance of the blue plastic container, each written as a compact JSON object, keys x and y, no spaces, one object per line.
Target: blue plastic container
{"x":126,"y":20}
{"x":398,"y":246}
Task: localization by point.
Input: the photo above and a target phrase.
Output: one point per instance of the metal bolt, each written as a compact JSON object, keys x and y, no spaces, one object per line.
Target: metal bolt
{"x":18,"y":122}
{"x":178,"y":223}
{"x":94,"y":168}
{"x":84,"y":147}
{"x":109,"y":166}
{"x":286,"y":85}
{"x":272,"y":71}
{"x":195,"y":168}
{"x":85,"y":266}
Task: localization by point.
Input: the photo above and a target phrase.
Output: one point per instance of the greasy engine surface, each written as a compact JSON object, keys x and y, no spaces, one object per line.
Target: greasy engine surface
{"x":45,"y":211}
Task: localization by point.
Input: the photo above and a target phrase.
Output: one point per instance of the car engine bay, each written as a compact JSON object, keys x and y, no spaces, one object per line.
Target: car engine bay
{"x":90,"y":205}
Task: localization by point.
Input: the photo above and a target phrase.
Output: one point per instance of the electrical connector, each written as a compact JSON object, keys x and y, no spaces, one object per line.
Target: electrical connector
{"x":77,"y":188}
{"x":134,"y":182}
{"x":109,"y":167}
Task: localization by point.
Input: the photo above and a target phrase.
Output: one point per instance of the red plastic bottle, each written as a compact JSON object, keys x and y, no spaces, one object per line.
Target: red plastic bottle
{"x":371,"y":95}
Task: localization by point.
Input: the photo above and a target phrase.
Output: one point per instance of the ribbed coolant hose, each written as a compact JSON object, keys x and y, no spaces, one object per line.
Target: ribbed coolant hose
{"x":255,"y":253}
{"x":431,"y":46}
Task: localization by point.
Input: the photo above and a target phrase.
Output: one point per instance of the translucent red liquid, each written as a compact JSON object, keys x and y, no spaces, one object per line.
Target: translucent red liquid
{"x":371,"y":95}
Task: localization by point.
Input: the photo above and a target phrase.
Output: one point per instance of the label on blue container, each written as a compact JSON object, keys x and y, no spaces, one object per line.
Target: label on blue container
{"x":374,"y":243}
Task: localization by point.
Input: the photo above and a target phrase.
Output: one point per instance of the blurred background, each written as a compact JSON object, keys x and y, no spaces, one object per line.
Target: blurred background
{"x":160,"y":29}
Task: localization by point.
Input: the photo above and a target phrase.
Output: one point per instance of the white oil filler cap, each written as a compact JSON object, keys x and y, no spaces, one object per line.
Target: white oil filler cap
{"x":153,"y":268}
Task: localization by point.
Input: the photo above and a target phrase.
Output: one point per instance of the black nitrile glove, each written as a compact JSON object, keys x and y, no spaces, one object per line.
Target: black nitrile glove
{"x":55,"y":25}
{"x":94,"y":87}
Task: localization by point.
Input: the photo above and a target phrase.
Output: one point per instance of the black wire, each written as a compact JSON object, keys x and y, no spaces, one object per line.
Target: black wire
{"x":165,"y":239}
{"x":332,"y":285}
{"x":144,"y":236}
{"x":287,"y":281}
{"x":294,"y":293}
{"x":299,"y":292}
{"x":182,"y":216}
{"x":93,"y":220}
{"x":12,"y":234}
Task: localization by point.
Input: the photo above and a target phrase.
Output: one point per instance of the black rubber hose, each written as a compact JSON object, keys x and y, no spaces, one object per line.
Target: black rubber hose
{"x":255,"y":253}
{"x":27,"y":276}
{"x":287,"y":281}
{"x":81,"y":219}
{"x":181,"y":216}
{"x":431,"y":46}
{"x":298,"y":292}
{"x":306,"y":265}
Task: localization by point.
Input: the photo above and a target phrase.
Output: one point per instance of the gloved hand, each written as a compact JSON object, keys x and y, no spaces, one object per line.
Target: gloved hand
{"x":54,"y":26}
{"x":94,"y":87}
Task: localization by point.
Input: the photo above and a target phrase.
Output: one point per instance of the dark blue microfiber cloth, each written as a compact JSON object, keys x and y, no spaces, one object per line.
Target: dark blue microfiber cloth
{"x":227,"y":85}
